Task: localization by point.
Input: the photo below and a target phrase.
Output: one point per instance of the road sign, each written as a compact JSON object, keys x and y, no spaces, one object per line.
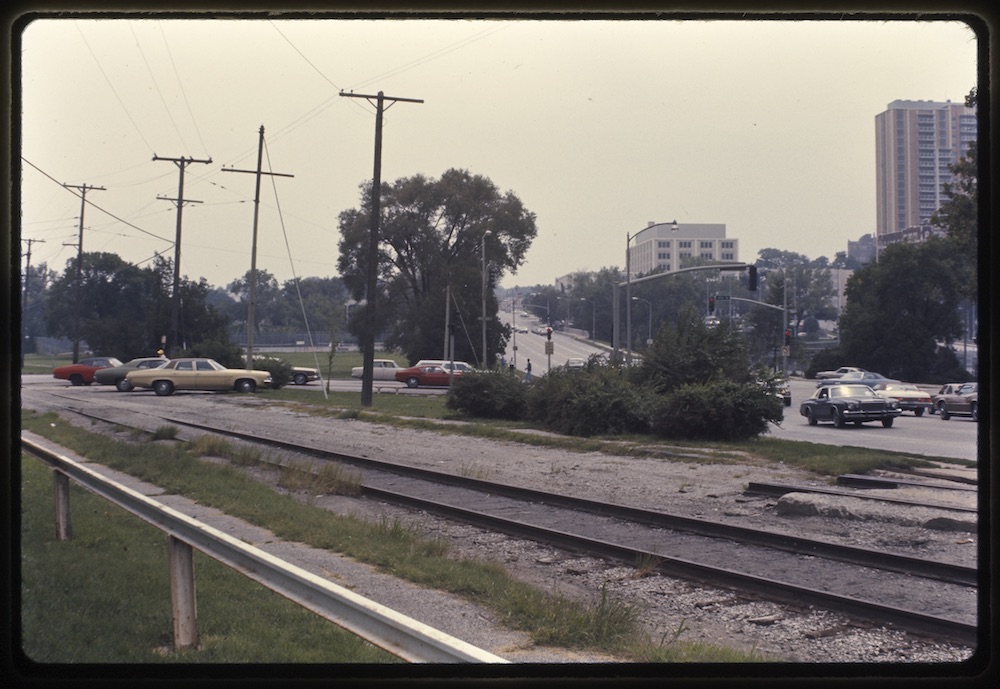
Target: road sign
{"x":722,"y":296}
{"x":550,"y":347}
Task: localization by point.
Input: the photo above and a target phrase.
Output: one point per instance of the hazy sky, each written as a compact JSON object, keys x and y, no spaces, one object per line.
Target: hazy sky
{"x":597,"y":126}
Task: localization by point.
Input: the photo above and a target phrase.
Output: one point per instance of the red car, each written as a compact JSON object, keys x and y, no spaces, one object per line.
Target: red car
{"x":426,"y":375}
{"x":82,"y":372}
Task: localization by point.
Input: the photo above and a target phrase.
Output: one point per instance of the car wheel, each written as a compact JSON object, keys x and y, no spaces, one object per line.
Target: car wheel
{"x":944,"y":413}
{"x":300,"y":379}
{"x":918,"y":412}
{"x":246,"y":385}
{"x":76,"y":379}
{"x":412,"y":382}
{"x":838,"y":418}
{"x":163,"y":388}
{"x":811,"y":418}
{"x":975,"y":411}
{"x":124,"y":386}
{"x":888,"y":422}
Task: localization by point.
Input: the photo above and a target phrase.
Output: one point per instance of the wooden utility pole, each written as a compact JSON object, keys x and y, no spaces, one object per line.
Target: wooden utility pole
{"x":79,"y":268}
{"x":251,"y":318}
{"x":175,"y":307}
{"x":24,"y":303}
{"x":368,"y":343}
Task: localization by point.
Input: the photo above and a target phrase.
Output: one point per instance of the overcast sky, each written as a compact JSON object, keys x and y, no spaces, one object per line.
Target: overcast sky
{"x":597,"y":126}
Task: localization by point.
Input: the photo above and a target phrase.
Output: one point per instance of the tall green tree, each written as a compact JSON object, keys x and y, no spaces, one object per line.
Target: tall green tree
{"x":125,"y":309}
{"x":899,"y":309}
{"x":432,"y":237}
{"x":959,"y":217}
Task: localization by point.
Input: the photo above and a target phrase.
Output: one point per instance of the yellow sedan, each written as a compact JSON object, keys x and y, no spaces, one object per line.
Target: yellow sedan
{"x":197,"y":374}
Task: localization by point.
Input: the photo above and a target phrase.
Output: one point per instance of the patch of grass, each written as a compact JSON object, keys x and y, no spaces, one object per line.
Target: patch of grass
{"x":168,"y":432}
{"x":606,"y":626}
{"x":104,"y":596}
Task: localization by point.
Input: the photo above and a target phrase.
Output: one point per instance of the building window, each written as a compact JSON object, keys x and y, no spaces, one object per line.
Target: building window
{"x":706,"y":245}
{"x":728,"y":245}
{"x":685,"y":245}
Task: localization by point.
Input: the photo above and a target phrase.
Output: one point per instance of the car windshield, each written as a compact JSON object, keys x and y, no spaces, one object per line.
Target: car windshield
{"x":852,"y":391}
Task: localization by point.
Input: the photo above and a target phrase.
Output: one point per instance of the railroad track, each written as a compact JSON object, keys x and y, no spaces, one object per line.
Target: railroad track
{"x":934,"y":598}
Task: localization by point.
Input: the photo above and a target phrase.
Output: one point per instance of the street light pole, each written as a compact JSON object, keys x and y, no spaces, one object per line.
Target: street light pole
{"x":649,"y":304}
{"x":485,"y":358}
{"x":593,"y":318}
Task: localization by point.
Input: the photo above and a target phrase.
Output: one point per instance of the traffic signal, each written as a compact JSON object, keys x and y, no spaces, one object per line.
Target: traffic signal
{"x":788,"y":338}
{"x":548,"y":333}
{"x":752,"y":276}
{"x":711,"y":305}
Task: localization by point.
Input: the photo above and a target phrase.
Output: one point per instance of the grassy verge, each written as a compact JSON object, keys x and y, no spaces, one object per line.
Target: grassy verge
{"x":104,"y":596}
{"x":606,"y":626}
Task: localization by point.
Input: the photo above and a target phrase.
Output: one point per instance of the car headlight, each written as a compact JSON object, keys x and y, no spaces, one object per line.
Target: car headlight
{"x":893,"y":404}
{"x":852,"y":406}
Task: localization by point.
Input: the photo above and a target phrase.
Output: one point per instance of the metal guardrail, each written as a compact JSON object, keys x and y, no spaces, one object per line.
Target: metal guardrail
{"x":392,"y":631}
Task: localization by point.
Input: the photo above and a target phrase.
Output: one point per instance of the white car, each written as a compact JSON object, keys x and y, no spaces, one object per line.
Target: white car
{"x":830,"y":375}
{"x":457,"y":366}
{"x":382,"y":369}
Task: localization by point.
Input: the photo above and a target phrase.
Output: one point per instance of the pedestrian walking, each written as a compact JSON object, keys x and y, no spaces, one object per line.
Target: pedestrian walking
{"x":527,"y":375}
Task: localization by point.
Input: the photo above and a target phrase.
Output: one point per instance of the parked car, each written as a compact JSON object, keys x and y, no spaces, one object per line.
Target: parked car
{"x":458,"y":366}
{"x":946,"y":390}
{"x":845,"y":403}
{"x":427,"y":375}
{"x":909,"y":396}
{"x":302,"y":375}
{"x":827,"y":375}
{"x":869,"y":378}
{"x":382,"y":369}
{"x":115,"y":375}
{"x":197,"y":374}
{"x":82,"y":372}
{"x":964,"y":402}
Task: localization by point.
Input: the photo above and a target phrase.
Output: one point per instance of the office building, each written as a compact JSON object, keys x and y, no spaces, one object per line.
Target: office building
{"x":916,"y":143}
{"x":669,"y":246}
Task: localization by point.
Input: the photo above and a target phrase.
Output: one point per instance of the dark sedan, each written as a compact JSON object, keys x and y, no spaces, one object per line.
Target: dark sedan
{"x":116,"y":374}
{"x":846,"y":403}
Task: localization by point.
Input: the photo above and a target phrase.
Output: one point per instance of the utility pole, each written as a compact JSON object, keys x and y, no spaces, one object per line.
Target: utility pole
{"x":368,"y":344}
{"x":253,"y":246}
{"x":79,"y":267}
{"x":24,"y":303}
{"x":175,"y":307}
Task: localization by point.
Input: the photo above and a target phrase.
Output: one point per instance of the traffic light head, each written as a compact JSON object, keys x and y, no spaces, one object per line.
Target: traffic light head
{"x":752,"y":277}
{"x":788,"y":337}
{"x":711,"y":305}
{"x":548,"y":333}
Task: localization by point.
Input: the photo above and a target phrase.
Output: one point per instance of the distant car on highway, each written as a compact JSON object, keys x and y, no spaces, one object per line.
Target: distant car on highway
{"x":946,"y":390}
{"x":197,"y":374}
{"x":426,"y":375}
{"x":457,"y":366}
{"x":869,"y":378}
{"x":382,"y":369}
{"x":909,"y":396}
{"x":82,"y":372}
{"x":115,"y":375}
{"x":964,"y":402}
{"x":827,"y":375}
{"x":575,"y":363}
{"x":843,"y":404}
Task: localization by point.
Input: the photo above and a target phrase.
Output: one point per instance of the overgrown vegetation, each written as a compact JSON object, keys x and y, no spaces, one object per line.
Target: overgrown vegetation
{"x":606,"y":625}
{"x":695,"y":382}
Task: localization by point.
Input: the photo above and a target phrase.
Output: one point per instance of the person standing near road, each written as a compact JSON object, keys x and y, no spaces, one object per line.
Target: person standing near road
{"x":527,"y":369}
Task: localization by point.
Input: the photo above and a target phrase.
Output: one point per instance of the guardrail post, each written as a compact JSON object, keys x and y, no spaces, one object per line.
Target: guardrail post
{"x":64,"y":523}
{"x":182,"y":593}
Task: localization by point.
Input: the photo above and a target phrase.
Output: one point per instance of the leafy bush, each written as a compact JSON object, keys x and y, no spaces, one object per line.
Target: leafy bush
{"x":488,"y":394}
{"x":280,"y":370}
{"x":225,"y":352}
{"x":690,"y":352}
{"x":599,"y":400}
{"x":717,"y":410}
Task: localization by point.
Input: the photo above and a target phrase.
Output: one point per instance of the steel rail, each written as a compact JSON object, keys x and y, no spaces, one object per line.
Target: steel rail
{"x":907,"y":564}
{"x":772,"y":589}
{"x":392,"y":631}
{"x":779,"y":489}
